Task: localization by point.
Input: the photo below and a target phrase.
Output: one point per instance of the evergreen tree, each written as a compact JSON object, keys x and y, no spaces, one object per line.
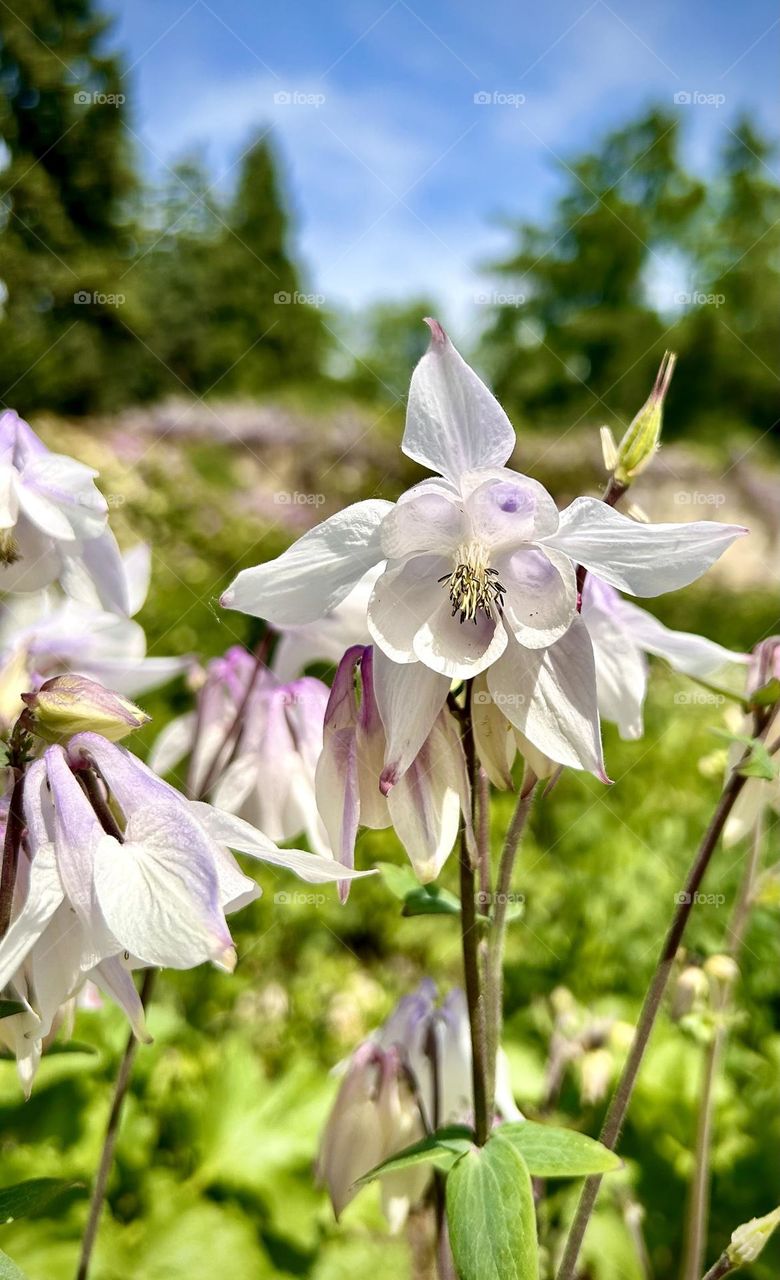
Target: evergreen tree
{"x":64,"y":188}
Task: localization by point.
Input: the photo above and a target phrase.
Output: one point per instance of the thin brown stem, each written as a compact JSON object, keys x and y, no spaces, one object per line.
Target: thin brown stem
{"x":621,"y":1098}
{"x":109,"y":1141}
{"x":231,"y":739}
{"x":699,"y":1202}
{"x":497,"y":941}
{"x":720,"y":1268}
{"x":475,"y":994}
{"x":18,"y":754}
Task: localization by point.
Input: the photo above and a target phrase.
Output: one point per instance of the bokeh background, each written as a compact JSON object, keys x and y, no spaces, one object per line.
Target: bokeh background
{"x":220,"y":226}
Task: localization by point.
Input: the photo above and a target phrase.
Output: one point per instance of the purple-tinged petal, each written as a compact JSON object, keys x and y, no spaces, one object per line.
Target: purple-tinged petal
{"x":409,"y":697}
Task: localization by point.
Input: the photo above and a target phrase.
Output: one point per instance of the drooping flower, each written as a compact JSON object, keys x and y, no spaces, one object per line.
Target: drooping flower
{"x":622,"y":636}
{"x":53,"y":521}
{"x":140,"y":877}
{"x":477,"y":567}
{"x":43,"y":634}
{"x":265,"y":770}
{"x":423,"y":793}
{"x":759,"y":795}
{"x":412,"y":1076}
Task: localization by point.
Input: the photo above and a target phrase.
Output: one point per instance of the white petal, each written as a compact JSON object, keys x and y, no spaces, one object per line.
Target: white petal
{"x":227,"y":829}
{"x":425,"y":809}
{"x":138,"y":571}
{"x":541,"y":595}
{"x":550,"y":696}
{"x":316,"y":572}
{"x":506,"y":508}
{"x":44,"y":895}
{"x":459,"y":649}
{"x":493,"y":736}
{"x":691,"y":654}
{"x":410,"y":697}
{"x":453,"y":423}
{"x":58,"y":494}
{"x":402,"y":602}
{"x":117,"y":982}
{"x":642,"y":559}
{"x":422,"y":522}
{"x":621,"y":668}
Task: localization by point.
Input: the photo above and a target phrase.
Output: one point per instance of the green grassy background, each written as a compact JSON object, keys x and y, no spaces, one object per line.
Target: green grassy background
{"x":214,"y":1168}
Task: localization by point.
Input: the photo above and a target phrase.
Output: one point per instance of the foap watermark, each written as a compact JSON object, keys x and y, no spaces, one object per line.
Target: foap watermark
{"x":496,"y":98}
{"x":83,"y":98}
{"x":90,"y":298}
{"x":297,"y":299}
{"x":699,"y":899}
{"x":297,"y":898}
{"x":699,"y":299}
{"x":697,"y":98}
{"x":481,"y":698}
{"x":496,"y":299}
{"x":697,"y":498}
{"x":295,"y":98}
{"x":485,"y":899}
{"x":699,"y":698}
{"x":293,"y":498}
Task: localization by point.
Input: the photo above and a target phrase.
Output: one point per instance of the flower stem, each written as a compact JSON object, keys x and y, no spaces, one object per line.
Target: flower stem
{"x":475,"y":993}
{"x":621,"y":1098}
{"x":720,"y":1268}
{"x":18,"y":751}
{"x":495,"y":967}
{"x":699,"y":1204}
{"x":109,"y":1141}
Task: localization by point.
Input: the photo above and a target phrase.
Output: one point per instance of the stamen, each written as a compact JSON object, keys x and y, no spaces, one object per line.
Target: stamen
{"x":473,"y":586}
{"x":9,"y":548}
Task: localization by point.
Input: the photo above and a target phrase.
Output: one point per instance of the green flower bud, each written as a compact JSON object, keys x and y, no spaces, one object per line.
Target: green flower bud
{"x":641,"y":440}
{"x":71,"y":704}
{"x":749,"y":1239}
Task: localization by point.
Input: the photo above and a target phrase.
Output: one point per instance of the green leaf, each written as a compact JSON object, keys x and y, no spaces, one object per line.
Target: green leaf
{"x":759,"y":763}
{"x":767,"y":695}
{"x":490,"y":1213}
{"x":550,"y":1152}
{"x":430,"y":900}
{"x":9,"y":1269}
{"x":399,"y":880}
{"x":24,"y":1198}
{"x":440,"y":1149}
{"x":9,"y":1007}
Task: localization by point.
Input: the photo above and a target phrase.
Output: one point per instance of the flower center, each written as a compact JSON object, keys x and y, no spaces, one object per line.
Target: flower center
{"x":473,"y":586}
{"x":9,"y":548}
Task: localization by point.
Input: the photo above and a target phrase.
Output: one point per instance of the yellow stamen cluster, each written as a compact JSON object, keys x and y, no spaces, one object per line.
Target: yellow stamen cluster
{"x":9,"y":548}
{"x":473,"y":586}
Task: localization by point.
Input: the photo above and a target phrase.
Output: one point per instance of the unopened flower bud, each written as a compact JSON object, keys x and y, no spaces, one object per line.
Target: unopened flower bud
{"x":722,"y":970}
{"x":595,"y":1074}
{"x":70,"y":704}
{"x":691,"y":992}
{"x":641,"y":440}
{"x":749,"y":1239}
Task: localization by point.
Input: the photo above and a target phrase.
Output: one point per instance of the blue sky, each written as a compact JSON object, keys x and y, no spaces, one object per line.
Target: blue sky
{"x":400,"y":181}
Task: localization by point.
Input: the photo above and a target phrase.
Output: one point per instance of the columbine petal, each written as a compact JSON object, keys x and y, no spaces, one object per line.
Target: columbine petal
{"x":550,"y":696}
{"x":459,"y":649}
{"x":427,"y":802}
{"x":506,"y":508}
{"x":117,"y":982}
{"x":402,"y":602}
{"x":94,"y":571}
{"x":229,"y":830}
{"x":422,"y":522}
{"x":642,"y":559}
{"x":691,"y":654}
{"x":493,"y":736}
{"x":541,"y":595}
{"x":453,"y":423}
{"x":621,"y":669}
{"x":409,"y":697}
{"x":316,"y":572}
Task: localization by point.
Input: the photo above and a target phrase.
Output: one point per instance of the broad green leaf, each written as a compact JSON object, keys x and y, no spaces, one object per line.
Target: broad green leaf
{"x":441,"y":1149}
{"x":490,"y":1214}
{"x":24,"y":1198}
{"x":550,"y":1152}
{"x":759,"y":763}
{"x":430,"y":900}
{"x":9,"y":1269}
{"x":9,"y":1007}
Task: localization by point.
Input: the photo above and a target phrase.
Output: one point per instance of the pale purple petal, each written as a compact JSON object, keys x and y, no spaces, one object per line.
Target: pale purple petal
{"x":409,"y":697}
{"x":459,"y":649}
{"x":541,"y":595}
{"x":506,"y":509}
{"x":423,"y":523}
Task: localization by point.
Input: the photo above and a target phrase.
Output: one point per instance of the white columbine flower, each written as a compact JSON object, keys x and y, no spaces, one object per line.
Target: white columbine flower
{"x":153,"y":890}
{"x":53,"y":521}
{"x":478,"y":567}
